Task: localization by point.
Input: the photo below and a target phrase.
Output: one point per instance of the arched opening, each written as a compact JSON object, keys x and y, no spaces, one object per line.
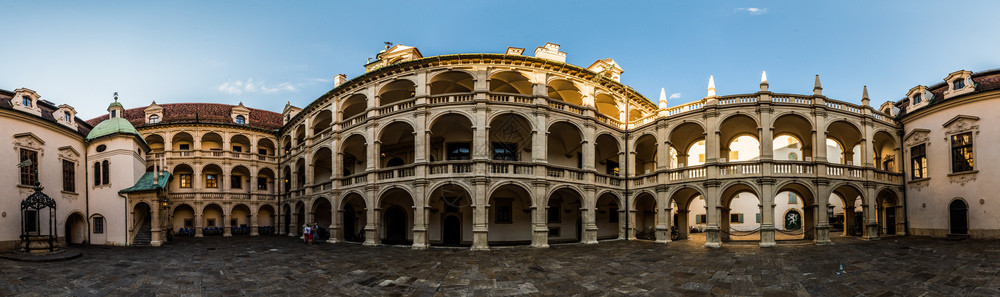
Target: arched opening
{"x":300,"y":135}
{"x":76,"y":229}
{"x":155,"y":142}
{"x":608,"y":106}
{"x":795,"y":214}
{"x":450,"y":221}
{"x":355,"y":215}
{"x":265,"y":147}
{"x":683,"y":219}
{"x":322,"y":121}
{"x":854,"y":209}
{"x":239,"y":220}
{"x":688,"y":141}
{"x":792,"y":126}
{"x":239,"y":144}
{"x":645,"y":217}
{"x":300,"y":173}
{"x":212,"y":178}
{"x":288,"y":220}
{"x":142,"y":223}
{"x":739,"y":132}
{"x":182,"y":141}
{"x":564,"y":216}
{"x":183,"y":178}
{"x":511,"y":82}
{"x":396,"y":92}
{"x":564,"y":90}
{"x":239,"y":180}
{"x":265,"y":178}
{"x":322,"y":166}
{"x":510,"y":138}
{"x":265,"y":220}
{"x":510,"y":216}
{"x":607,"y":155}
{"x":212,"y":216}
{"x":212,"y":141}
{"x":397,"y":142}
{"x":958,"y":217}
{"x":645,"y":155}
{"x":183,"y":220}
{"x":287,"y":141}
{"x":397,"y":217}
{"x":565,"y":145}
{"x":300,"y":217}
{"x":889,"y":212}
{"x":451,"y":138}
{"x":741,"y":206}
{"x":355,"y":157}
{"x":848,"y":138}
{"x":353,"y":106}
{"x":608,"y":216}
{"x":322,"y":216}
{"x":886,"y":152}
{"x":452,"y":82}
{"x":286,"y":176}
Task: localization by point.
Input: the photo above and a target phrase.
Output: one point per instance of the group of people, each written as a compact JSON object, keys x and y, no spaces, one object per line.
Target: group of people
{"x":309,"y":232}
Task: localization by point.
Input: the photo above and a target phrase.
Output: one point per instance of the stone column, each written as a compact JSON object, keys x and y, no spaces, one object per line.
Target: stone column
{"x":589,"y":213}
{"x":198,"y":224}
{"x":335,"y":217}
{"x":682,"y":223}
{"x":662,"y":214}
{"x":420,"y":216}
{"x":712,"y":213}
{"x":539,"y":218}
{"x":870,"y":213}
{"x":371,"y":226}
{"x":226,"y":226}
{"x":156,"y":239}
{"x":822,"y":215}
{"x":480,"y":216}
{"x":254,"y":224}
{"x":767,"y":205}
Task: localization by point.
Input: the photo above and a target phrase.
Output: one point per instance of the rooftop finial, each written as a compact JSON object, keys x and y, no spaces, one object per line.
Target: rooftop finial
{"x":116,"y":96}
{"x":763,"y":81}
{"x":663,"y":98}
{"x":818,"y":89}
{"x":864,"y":97}
{"x":711,"y":86}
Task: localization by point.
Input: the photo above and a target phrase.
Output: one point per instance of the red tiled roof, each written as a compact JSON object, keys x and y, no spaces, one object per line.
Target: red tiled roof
{"x":200,"y":112}
{"x":47,"y":108}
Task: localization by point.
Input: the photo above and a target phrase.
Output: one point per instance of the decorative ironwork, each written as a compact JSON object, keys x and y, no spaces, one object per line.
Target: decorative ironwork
{"x":32,"y":239}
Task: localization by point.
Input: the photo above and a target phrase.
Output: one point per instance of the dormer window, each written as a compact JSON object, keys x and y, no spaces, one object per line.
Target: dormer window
{"x":241,"y":120}
{"x":959,"y":82}
{"x":917,"y":99}
{"x":66,"y":117}
{"x":153,"y":119}
{"x":26,"y":101}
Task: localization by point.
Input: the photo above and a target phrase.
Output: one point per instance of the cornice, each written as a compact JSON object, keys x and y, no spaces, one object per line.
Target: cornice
{"x":40,"y":121}
{"x":951,"y":102}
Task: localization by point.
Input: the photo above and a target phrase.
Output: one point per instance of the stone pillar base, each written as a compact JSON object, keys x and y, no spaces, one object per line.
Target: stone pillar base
{"x":871,"y":232}
{"x":419,"y":239}
{"x":712,"y":238}
{"x":662,"y":235}
{"x":540,"y":238}
{"x":823,"y":235}
{"x":254,"y":231}
{"x":590,"y":236}
{"x":370,"y":237}
{"x":155,"y":243}
{"x":480,"y":241}
{"x":767,"y":237}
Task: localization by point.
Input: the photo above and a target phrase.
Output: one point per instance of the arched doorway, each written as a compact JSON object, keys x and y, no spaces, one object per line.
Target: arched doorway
{"x":644,"y":222}
{"x":959,"y":217}
{"x":355,"y":217}
{"x":452,"y":230}
{"x":395,"y":225}
{"x":76,"y":229}
{"x":792,"y":220}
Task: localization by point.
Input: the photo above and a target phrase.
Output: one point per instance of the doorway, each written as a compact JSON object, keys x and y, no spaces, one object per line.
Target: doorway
{"x":395,"y":225}
{"x":452,"y":233}
{"x":959,"y":217}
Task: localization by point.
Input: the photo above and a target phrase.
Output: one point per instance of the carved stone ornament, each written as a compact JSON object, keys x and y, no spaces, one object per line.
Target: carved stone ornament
{"x":919,"y":184}
{"x":917,"y":136}
{"x":963,"y":178}
{"x":962,"y":123}
{"x":29,"y":141}
{"x":68,"y":153}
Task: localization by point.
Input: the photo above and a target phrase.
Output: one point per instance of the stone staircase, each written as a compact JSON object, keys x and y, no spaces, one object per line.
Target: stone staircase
{"x":144,"y":235}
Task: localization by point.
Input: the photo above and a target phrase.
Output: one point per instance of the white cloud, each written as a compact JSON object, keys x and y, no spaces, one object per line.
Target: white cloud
{"x":249,"y":86}
{"x":675,"y":95}
{"x":753,"y":10}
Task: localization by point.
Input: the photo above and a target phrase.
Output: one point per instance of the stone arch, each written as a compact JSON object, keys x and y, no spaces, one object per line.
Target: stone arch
{"x":645,"y":209}
{"x":397,"y":140}
{"x":353,"y":105}
{"x":574,"y":188}
{"x":644,"y":154}
{"x":396,"y":215}
{"x":452,"y":81}
{"x":510,"y":112}
{"x":354,"y":154}
{"x":564,"y":142}
{"x":395,"y":91}
{"x":564,"y":214}
{"x":511,"y":81}
{"x":510,"y":213}
{"x":75,"y":227}
{"x":607,"y":214}
{"x":395,"y":187}
{"x":564,"y":90}
{"x":155,"y":141}
{"x":684,"y":136}
{"x":607,"y":154}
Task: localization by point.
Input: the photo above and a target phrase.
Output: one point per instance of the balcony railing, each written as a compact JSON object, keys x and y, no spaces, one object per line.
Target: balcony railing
{"x":515,"y":168}
{"x":449,"y":167}
{"x":450,"y":98}
{"x":384,"y":110}
{"x":396,"y":172}
{"x":514,"y":98}
{"x":215,"y":196}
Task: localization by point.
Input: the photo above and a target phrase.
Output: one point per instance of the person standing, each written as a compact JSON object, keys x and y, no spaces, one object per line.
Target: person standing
{"x":315,"y":231}
{"x":307,"y":234}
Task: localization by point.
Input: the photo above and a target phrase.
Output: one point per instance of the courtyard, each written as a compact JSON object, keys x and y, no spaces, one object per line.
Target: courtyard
{"x":284,"y":266}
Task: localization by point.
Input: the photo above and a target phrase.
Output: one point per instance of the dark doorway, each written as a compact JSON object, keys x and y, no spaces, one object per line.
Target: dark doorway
{"x":890,"y":221}
{"x":859,"y":223}
{"x":395,"y":225}
{"x":288,"y":220}
{"x":350,"y":230}
{"x":959,"y":217}
{"x":579,"y":226}
{"x":452,"y":232}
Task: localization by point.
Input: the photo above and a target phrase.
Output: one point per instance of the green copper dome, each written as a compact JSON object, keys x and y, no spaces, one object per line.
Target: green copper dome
{"x":114,"y":104}
{"x":112,"y":126}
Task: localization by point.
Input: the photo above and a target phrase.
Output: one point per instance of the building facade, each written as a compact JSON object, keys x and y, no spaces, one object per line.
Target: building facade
{"x":483,"y":150}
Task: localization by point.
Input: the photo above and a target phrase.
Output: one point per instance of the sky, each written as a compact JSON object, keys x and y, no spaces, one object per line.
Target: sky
{"x":266,"y":53}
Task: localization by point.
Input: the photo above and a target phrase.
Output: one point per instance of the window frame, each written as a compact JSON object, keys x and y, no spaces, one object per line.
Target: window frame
{"x":969,"y":145}
{"x":154,"y":119}
{"x":105,"y":173}
{"x":240,"y":120}
{"x":98,"y":225}
{"x":184,"y":181}
{"x":28,"y":175}
{"x":69,"y":176}
{"x":211,"y":181}
{"x":504,"y":211}
{"x":923,"y":162}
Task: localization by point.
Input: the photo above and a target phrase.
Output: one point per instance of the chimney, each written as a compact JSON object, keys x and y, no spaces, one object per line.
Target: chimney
{"x":339,"y":79}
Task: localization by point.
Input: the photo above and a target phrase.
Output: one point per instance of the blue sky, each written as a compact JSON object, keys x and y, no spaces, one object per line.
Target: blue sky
{"x":267,"y":53}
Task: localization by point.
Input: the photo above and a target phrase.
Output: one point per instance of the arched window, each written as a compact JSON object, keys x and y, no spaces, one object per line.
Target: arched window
{"x":26,"y":101}
{"x":241,"y":120}
{"x":97,"y":173}
{"x":958,"y":84}
{"x":66,"y":117}
{"x":793,"y":157}
{"x":153,"y":119}
{"x":105,"y":173}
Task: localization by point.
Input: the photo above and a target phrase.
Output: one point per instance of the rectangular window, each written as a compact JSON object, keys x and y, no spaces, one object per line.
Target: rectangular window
{"x":26,"y":101}
{"x":262,"y":183}
{"x":184,"y":147}
{"x":188,"y":223}
{"x":211,"y":222}
{"x":700,"y":219}
{"x":611,"y":168}
{"x":211,"y":181}
{"x":735,"y":218}
{"x":262,"y":151}
{"x":185,"y":180}
{"x":237,"y":181}
{"x":961,"y":152}
{"x":459,"y":151}
{"x":959,"y":84}
{"x":237,"y":149}
{"x":792,"y":199}
{"x":69,"y":176}
{"x":701,"y":158}
{"x":734,"y":155}
{"x":98,"y":225}
{"x":917,"y":98}
{"x":555,"y":214}
{"x":554,"y":232}
{"x":758,"y":218}
{"x":613,"y":215}
{"x":918,"y":157}
{"x":504,"y":211}
{"x":29,"y":173}
{"x":30,"y":220}
{"x":503,"y":151}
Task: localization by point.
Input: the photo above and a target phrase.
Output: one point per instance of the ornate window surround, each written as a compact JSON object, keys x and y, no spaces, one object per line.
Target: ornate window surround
{"x":68,"y":153}
{"x":914,"y":138}
{"x":969,"y":87}
{"x":61,"y":118}
{"x":22,"y":93}
{"x":958,"y":125}
{"x":925,"y":97}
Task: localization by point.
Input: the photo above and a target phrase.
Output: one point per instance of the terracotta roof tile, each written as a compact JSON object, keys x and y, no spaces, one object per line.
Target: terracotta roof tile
{"x":200,"y":112}
{"x":83,"y":127}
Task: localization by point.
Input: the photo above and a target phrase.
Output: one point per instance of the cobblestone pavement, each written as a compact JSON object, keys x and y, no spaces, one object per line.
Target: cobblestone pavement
{"x":285,"y":266}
